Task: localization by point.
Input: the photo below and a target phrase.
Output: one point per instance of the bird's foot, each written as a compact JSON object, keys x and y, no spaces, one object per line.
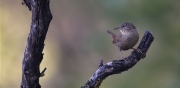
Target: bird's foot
{"x":125,"y":59}
{"x":139,"y":51}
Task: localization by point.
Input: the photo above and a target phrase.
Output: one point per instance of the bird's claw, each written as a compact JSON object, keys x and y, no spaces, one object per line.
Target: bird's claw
{"x":139,"y":51}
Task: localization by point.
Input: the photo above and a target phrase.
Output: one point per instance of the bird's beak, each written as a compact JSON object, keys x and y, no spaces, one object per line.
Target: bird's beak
{"x":116,"y":28}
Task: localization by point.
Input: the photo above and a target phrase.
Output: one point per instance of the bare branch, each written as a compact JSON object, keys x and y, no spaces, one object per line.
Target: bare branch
{"x":41,"y":18}
{"x":118,"y":66}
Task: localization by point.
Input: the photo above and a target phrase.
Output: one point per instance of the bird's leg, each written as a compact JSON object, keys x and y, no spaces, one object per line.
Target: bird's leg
{"x":121,"y":54}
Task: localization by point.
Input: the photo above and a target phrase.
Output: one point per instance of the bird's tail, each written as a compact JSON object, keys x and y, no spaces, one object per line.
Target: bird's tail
{"x":111,"y":33}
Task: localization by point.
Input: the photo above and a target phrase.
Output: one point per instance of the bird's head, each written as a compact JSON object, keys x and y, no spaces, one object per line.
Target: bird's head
{"x":126,"y":26}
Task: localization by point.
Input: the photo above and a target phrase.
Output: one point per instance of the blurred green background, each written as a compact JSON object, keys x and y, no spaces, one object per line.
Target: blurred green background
{"x":77,"y":40}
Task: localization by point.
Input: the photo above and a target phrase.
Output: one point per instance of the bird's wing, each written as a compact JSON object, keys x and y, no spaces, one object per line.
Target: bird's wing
{"x":115,"y":40}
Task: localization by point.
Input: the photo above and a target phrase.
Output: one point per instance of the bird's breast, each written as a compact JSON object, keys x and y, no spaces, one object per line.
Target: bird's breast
{"x":128,"y":40}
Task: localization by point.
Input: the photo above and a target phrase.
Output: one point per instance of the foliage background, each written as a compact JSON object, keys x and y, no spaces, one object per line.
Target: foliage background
{"x":77,"y":40}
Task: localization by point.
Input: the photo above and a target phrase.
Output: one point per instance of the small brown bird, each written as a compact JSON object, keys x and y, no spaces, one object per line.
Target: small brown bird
{"x":127,"y":37}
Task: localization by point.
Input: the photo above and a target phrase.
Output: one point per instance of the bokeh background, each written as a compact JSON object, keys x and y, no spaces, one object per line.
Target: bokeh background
{"x":77,"y":40}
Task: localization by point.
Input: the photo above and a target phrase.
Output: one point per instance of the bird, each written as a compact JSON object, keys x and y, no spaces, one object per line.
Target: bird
{"x":127,"y":38}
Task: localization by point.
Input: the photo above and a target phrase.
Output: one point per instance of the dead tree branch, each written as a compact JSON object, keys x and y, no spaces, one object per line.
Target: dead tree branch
{"x":118,"y":66}
{"x":41,"y":18}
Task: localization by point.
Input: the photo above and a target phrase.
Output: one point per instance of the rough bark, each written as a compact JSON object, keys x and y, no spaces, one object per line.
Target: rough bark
{"x":41,"y":18}
{"x":118,"y":66}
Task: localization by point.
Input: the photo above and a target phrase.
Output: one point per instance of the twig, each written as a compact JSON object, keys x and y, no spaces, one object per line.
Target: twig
{"x":42,"y":73}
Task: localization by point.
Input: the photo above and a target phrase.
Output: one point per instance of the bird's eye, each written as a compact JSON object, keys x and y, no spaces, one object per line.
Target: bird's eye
{"x":122,"y":26}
